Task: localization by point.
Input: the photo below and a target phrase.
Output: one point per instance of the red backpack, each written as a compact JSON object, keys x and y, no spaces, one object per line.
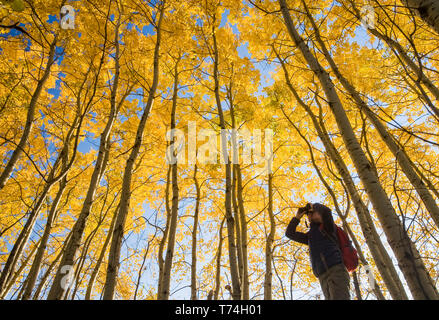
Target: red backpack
{"x":349,"y":253}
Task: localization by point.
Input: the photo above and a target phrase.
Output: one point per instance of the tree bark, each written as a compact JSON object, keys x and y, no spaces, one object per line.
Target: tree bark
{"x":427,"y":10}
{"x":357,"y":286}
{"x":237,"y":226}
{"x":167,"y":267}
{"x":244,"y":239}
{"x":218,"y":262}
{"x":269,"y":243}
{"x":194,"y":237}
{"x":164,"y":239}
{"x":238,"y":202}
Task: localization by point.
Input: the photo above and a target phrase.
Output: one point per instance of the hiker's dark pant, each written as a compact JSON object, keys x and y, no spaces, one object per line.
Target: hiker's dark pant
{"x":335,"y":283}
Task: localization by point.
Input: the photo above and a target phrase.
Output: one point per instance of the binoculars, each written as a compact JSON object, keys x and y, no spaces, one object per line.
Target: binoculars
{"x":306,"y":209}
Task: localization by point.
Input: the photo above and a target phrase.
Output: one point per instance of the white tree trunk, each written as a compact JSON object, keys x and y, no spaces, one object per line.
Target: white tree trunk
{"x":236,"y":286}
{"x":427,"y":10}
{"x":167,"y":266}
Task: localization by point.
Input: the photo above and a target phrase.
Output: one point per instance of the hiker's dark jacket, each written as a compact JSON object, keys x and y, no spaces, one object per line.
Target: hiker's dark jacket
{"x":324,"y":251}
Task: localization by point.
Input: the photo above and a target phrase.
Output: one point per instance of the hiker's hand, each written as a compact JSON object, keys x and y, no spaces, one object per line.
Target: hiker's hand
{"x":300,"y":213}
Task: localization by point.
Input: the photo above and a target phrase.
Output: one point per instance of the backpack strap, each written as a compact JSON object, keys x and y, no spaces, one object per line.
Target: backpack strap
{"x":322,"y":229}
